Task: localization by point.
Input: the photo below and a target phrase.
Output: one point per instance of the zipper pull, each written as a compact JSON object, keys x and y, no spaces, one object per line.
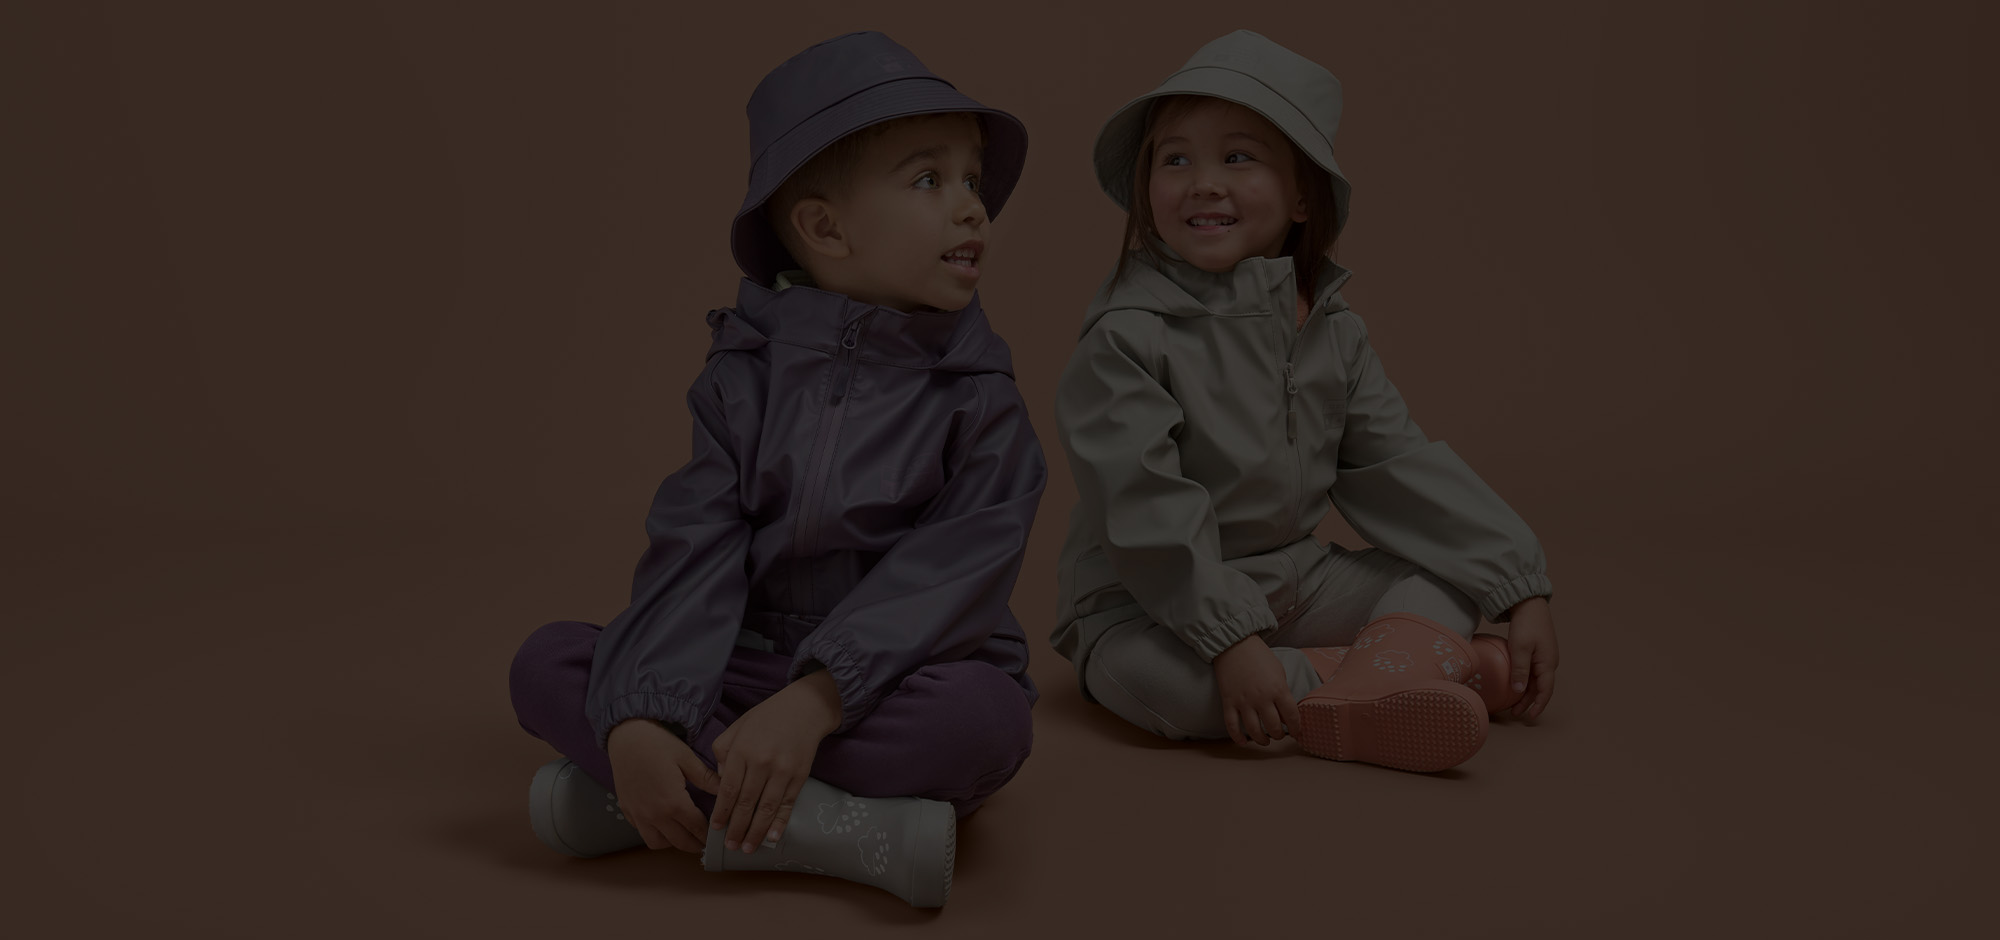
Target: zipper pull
{"x":845,"y":373}
{"x":1290,"y":388}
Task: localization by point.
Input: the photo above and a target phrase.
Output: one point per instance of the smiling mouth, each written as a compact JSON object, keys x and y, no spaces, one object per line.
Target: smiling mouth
{"x":1212,"y":221}
{"x":961,"y":257}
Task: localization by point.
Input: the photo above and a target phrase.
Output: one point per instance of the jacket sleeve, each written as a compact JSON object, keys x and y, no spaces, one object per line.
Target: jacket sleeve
{"x":1118,"y":425}
{"x":944,"y":587}
{"x":1416,"y":499}
{"x":663,"y":657}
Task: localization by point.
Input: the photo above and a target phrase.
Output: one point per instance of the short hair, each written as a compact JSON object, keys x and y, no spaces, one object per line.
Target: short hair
{"x":830,"y":172}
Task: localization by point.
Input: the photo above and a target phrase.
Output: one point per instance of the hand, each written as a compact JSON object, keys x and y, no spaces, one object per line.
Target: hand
{"x":1257,"y":699}
{"x":653,"y":767}
{"x":765,"y":757}
{"x":1531,"y":644}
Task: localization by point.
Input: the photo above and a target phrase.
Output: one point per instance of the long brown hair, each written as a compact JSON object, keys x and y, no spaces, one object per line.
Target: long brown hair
{"x":1307,"y":242}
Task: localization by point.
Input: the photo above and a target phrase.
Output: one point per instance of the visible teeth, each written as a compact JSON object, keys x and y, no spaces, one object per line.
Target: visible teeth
{"x":1212,"y":220}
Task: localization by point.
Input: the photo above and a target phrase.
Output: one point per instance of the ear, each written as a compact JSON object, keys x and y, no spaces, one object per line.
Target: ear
{"x":818,"y":229}
{"x":1299,"y":213}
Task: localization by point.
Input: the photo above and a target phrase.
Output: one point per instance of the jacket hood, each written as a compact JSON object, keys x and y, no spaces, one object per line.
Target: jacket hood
{"x":801,"y":315}
{"x":1177,"y":288}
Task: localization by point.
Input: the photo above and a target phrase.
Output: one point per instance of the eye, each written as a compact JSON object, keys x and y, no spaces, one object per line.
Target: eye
{"x":1238,"y":153}
{"x":1169,"y":161}
{"x":930,"y":176}
{"x":972,"y":182}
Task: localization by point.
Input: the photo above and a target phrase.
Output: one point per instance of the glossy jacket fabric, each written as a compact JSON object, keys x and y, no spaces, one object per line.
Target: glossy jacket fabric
{"x":1207,"y":434}
{"x":858,"y":496}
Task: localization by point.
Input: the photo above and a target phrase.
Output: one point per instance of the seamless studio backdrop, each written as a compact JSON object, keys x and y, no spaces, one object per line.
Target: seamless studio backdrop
{"x":345,"y":344}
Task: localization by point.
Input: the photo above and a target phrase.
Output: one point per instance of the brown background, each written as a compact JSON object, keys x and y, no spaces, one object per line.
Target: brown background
{"x":345,"y":344}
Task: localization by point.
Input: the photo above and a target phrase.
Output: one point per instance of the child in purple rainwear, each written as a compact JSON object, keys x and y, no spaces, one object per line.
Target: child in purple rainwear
{"x":819,"y":670}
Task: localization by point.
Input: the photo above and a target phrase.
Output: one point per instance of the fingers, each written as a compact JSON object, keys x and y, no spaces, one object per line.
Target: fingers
{"x":684,"y":818}
{"x":1274,"y":730}
{"x":1544,"y":669}
{"x":1253,"y":727}
{"x":1289,"y":711}
{"x":698,"y":774}
{"x":784,"y":817}
{"x":1531,"y":705}
{"x":647,"y":831}
{"x":689,"y":836}
{"x":725,"y":744}
{"x":1521,"y":654}
{"x":665,"y":828}
{"x":680,"y":835}
{"x":774,"y":809}
{"x":745,"y":809}
{"x":1265,"y":722}
{"x":1545,"y":688}
{"x":727,"y":795}
{"x":1546,"y":659}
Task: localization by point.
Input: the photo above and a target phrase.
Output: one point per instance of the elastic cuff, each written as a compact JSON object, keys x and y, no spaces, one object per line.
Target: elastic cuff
{"x":669,"y":709}
{"x":1209,"y":643}
{"x":1496,"y":604}
{"x":848,"y":677}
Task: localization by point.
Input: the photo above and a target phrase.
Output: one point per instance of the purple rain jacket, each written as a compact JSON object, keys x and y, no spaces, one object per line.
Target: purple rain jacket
{"x":858,"y":496}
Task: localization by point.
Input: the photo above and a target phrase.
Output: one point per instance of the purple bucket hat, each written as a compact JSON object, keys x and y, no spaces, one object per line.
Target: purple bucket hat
{"x":831,"y":90}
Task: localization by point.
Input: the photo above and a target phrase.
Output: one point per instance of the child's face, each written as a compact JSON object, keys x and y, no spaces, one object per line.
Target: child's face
{"x":1224,"y":185}
{"x":910,"y":213}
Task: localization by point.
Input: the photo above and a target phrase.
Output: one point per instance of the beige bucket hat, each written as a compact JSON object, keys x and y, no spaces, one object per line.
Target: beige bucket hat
{"x":1293,"y":92}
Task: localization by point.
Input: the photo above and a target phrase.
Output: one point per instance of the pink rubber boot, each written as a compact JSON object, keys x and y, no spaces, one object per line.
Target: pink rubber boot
{"x":1491,"y":667}
{"x":1398,"y":699}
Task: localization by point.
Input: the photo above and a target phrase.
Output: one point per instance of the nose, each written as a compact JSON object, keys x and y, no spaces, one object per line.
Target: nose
{"x":971,"y":208}
{"x":1207,"y":182}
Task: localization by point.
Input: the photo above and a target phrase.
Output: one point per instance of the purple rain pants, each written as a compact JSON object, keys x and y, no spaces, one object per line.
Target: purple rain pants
{"x":951,"y":731}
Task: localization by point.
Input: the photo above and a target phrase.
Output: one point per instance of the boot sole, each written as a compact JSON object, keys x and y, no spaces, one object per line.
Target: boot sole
{"x":1421,"y":730}
{"x":939,"y":824}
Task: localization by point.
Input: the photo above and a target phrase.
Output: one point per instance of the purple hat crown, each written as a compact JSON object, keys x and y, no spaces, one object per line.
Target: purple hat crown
{"x":800,"y":87}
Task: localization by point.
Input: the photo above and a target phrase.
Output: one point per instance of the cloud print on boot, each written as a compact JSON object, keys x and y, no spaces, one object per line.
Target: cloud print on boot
{"x":843,"y":816}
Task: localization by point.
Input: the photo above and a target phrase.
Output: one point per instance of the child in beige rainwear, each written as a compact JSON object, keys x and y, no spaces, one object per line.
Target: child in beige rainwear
{"x":1221,"y":397}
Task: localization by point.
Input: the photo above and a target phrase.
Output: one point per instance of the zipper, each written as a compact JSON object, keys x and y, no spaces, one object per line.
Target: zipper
{"x":1292,"y":406}
{"x":805,"y":540}
{"x":1292,"y":340}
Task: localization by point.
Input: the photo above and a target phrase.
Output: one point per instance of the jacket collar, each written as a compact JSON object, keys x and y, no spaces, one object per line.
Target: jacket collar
{"x":1255,"y":285}
{"x":799,"y":314}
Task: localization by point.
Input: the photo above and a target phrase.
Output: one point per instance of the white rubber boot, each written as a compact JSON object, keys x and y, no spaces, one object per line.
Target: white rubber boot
{"x":575,"y":816}
{"x":903,"y":845}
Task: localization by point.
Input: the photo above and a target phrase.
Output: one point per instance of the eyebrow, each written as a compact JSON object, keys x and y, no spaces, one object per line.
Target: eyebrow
{"x":931,"y":152}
